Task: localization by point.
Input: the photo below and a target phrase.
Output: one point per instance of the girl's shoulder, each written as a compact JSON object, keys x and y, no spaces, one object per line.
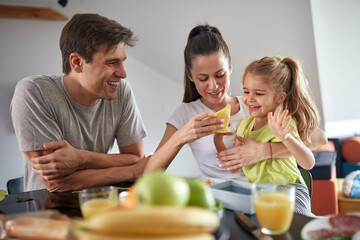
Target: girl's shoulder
{"x":247,"y":121}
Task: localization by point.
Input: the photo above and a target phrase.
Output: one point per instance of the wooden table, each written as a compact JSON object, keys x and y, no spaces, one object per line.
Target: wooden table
{"x":68,"y":204}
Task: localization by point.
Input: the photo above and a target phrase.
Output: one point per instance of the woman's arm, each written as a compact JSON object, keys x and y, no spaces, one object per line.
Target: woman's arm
{"x":174,"y":139}
{"x":246,"y":152}
{"x":167,"y":150}
{"x":250,"y":152}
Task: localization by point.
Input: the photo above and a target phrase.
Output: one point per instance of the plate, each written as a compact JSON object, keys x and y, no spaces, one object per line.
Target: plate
{"x":319,"y":223}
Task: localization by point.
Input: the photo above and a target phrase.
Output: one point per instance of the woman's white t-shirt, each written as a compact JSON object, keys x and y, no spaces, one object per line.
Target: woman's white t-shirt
{"x":204,"y":149}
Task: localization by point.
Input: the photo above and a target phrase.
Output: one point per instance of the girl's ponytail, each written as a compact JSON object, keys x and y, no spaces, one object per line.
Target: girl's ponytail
{"x":299,"y":100}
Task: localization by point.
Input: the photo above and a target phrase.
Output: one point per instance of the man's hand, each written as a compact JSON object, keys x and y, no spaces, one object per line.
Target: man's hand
{"x":60,"y":160}
{"x":244,"y":153}
{"x":96,"y":177}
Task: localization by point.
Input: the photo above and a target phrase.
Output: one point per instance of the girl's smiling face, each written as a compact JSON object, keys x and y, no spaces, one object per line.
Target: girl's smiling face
{"x":211,"y":76}
{"x":259,"y":96}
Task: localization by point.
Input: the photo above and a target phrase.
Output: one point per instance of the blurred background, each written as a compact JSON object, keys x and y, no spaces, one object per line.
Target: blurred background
{"x":322,"y":34}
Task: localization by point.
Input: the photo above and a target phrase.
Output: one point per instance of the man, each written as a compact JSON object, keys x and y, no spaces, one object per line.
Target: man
{"x":65,"y":125}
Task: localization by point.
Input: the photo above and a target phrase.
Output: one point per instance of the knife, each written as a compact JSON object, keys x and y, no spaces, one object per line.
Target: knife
{"x":250,"y":226}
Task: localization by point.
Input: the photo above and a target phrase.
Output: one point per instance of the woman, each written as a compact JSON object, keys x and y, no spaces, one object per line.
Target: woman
{"x":207,"y":81}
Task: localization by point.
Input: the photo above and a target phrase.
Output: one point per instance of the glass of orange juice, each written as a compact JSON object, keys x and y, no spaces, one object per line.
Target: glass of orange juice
{"x":96,"y":200}
{"x":274,"y":207}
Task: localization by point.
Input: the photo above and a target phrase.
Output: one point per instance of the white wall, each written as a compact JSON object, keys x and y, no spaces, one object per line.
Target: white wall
{"x":337,"y":38}
{"x":157,"y":95}
{"x":252,"y":28}
{"x":26,"y":48}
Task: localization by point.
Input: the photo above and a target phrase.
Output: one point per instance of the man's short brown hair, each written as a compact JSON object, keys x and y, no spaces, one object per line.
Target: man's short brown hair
{"x":85,"y":33}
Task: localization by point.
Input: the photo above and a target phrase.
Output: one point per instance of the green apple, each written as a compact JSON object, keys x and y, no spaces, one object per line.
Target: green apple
{"x":201,"y":195}
{"x":160,"y":188}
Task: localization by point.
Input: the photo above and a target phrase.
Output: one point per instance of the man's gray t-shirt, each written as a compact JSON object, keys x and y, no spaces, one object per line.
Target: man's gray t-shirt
{"x":42,"y":111}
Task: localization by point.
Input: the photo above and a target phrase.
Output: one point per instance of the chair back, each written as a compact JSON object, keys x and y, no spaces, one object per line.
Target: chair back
{"x":307,"y":178}
{"x":15,"y":185}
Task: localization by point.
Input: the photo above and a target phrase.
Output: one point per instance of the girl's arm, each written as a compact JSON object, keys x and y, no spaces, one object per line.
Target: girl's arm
{"x":218,"y":141}
{"x":279,"y":126}
{"x":174,"y":139}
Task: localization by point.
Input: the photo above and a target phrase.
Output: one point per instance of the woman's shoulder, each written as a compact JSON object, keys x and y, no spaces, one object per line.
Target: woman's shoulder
{"x":184,"y":112}
{"x":194,"y":107}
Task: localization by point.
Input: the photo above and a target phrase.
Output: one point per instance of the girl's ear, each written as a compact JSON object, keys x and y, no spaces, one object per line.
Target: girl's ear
{"x":281,"y":97}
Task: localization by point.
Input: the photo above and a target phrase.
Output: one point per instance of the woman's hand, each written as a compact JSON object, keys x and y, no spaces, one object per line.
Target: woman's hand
{"x":279,"y":124}
{"x":199,"y":126}
{"x":245,"y":152}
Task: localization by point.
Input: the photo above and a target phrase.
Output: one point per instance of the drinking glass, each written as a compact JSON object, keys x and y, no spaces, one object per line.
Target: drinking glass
{"x":274,"y":207}
{"x":96,"y":200}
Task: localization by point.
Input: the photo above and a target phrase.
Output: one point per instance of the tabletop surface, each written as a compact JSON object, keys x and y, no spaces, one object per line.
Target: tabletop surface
{"x":67,"y":203}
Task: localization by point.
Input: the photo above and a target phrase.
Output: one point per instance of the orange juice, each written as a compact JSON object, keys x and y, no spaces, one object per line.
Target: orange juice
{"x":274,"y":211}
{"x":96,"y":206}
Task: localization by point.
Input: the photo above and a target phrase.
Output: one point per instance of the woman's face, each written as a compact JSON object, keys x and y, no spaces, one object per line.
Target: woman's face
{"x":211,"y":76}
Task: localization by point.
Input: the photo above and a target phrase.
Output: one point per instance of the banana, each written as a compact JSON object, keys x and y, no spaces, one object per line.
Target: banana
{"x":154,"y":221}
{"x":86,"y":235}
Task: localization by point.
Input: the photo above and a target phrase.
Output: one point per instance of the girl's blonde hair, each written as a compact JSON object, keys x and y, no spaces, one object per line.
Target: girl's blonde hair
{"x":286,"y":75}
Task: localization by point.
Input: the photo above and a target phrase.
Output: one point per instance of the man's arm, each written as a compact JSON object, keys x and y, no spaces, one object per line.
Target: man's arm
{"x":95,"y":177}
{"x":60,"y":160}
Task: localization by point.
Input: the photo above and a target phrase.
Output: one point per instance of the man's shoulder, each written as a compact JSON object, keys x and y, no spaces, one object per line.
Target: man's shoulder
{"x":40,"y":81}
{"x":42,"y":87}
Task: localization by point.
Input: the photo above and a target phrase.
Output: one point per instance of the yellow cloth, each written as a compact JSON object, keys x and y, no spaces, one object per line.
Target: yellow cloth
{"x":224,"y":114}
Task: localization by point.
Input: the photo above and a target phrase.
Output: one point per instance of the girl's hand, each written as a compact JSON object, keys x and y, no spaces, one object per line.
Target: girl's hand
{"x":199,"y":126}
{"x":279,"y":124}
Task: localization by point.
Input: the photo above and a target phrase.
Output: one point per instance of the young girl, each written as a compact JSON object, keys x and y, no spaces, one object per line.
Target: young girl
{"x":270,"y":84}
